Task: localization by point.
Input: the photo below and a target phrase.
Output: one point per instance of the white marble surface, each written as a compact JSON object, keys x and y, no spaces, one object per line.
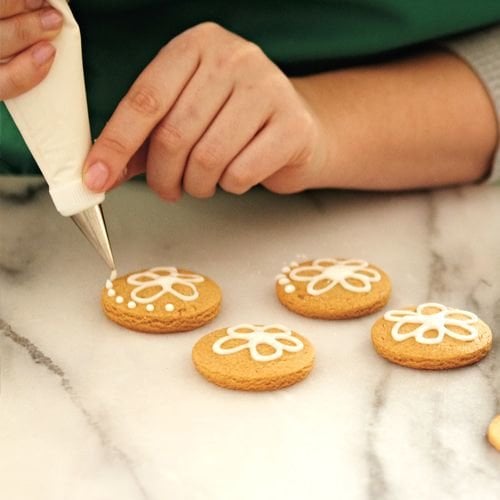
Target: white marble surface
{"x":90,"y":411}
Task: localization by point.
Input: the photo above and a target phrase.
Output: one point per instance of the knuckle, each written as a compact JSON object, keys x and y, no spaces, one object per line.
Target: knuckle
{"x":280,"y":186}
{"x":23,"y":31}
{"x":166,"y":189}
{"x":194,"y":38}
{"x":202,"y":192}
{"x":237,"y":182}
{"x":237,"y":55}
{"x":17,"y":81}
{"x":184,"y":44}
{"x":113,"y":143}
{"x":207,"y":158}
{"x":169,"y":137}
{"x":145,"y":100}
{"x":305,"y":123}
{"x":207,"y":28}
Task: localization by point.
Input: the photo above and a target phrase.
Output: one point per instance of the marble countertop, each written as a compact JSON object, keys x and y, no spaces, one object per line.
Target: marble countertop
{"x":91,"y":411}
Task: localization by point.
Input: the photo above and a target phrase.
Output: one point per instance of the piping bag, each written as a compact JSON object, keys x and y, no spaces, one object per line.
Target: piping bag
{"x":53,"y":120}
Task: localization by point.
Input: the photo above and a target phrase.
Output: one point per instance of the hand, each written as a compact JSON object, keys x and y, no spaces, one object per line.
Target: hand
{"x":210,"y":109}
{"x":26,"y":54}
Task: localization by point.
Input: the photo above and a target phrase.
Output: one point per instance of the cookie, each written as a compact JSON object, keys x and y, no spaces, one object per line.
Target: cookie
{"x":494,"y":433}
{"x":431,"y":337}
{"x":161,"y":300}
{"x":254,"y":357}
{"x":333,"y":288}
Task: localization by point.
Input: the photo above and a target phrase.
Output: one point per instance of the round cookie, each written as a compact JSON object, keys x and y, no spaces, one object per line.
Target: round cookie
{"x":254,"y":357}
{"x":494,"y":433}
{"x":161,"y":300}
{"x":333,"y":288}
{"x":431,"y":337}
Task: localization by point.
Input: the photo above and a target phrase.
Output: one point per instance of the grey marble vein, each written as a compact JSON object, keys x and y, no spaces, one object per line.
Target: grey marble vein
{"x":378,"y":488}
{"x":438,"y":265}
{"x":362,"y":429}
{"x":24,"y":196}
{"x":42,"y":359}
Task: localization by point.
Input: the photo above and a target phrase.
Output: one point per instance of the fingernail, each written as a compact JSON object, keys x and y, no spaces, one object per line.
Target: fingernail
{"x":96,"y":176}
{"x":42,"y":53}
{"x":34,"y":4}
{"x":50,"y":19}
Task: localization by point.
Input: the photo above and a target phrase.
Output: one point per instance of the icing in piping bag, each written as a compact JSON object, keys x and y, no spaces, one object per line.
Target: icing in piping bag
{"x":53,"y":120}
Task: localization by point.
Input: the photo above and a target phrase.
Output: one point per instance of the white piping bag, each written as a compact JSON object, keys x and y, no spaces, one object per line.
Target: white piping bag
{"x":53,"y":120}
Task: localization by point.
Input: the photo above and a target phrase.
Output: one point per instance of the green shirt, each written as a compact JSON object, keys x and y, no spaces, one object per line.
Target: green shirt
{"x":120,"y":37}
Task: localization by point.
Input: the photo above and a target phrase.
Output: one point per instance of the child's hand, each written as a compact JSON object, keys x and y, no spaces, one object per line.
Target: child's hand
{"x":26,"y":54}
{"x":210,"y":109}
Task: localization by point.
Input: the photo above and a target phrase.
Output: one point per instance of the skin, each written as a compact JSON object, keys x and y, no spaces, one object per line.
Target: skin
{"x":211,"y":109}
{"x":26,"y":29}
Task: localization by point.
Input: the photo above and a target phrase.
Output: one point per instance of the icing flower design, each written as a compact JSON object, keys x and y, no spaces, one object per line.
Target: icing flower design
{"x":324,"y":274}
{"x":255,"y":335}
{"x":164,"y":278}
{"x":433,"y":317}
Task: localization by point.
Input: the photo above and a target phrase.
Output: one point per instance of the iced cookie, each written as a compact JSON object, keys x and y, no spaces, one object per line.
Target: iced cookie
{"x":431,"y":337}
{"x":161,"y":300}
{"x":333,"y":288}
{"x":254,"y":357}
{"x":494,"y":432}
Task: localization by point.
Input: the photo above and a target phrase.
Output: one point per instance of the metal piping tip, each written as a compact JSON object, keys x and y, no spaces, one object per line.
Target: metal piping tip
{"x":91,"y":223}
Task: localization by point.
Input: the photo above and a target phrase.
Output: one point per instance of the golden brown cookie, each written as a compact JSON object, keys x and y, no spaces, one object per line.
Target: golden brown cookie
{"x":333,"y":288}
{"x":161,"y":300}
{"x":431,"y":337}
{"x":494,"y":433}
{"x":254,"y":357}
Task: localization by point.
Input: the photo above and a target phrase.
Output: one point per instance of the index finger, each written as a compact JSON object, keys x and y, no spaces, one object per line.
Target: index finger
{"x":9,"y":8}
{"x":148,"y":100}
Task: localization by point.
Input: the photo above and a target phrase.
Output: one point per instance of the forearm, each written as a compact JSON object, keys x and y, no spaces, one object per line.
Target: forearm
{"x":420,"y":122}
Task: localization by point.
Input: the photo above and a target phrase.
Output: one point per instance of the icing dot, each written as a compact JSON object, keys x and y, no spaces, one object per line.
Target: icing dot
{"x":279,"y":276}
{"x":169,"y":307}
{"x":289,"y":289}
{"x":113,"y":275}
{"x":111,"y":292}
{"x":285,"y":269}
{"x":119,"y":299}
{"x":131,"y":304}
{"x":283,"y":281}
{"x":109,"y":285}
{"x":294,"y":263}
{"x":150,"y":307}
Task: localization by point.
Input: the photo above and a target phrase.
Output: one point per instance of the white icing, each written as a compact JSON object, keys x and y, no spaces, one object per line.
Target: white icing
{"x":439,"y":322}
{"x":256,"y":335}
{"x":283,"y":281}
{"x":164,"y":278}
{"x":333,"y":272}
{"x":279,"y":276}
{"x":112,"y":276}
{"x":294,"y":264}
{"x":285,"y":269}
{"x":289,"y":288}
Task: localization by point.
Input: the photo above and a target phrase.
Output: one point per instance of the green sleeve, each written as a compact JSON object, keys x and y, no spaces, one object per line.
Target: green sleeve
{"x":120,"y":37}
